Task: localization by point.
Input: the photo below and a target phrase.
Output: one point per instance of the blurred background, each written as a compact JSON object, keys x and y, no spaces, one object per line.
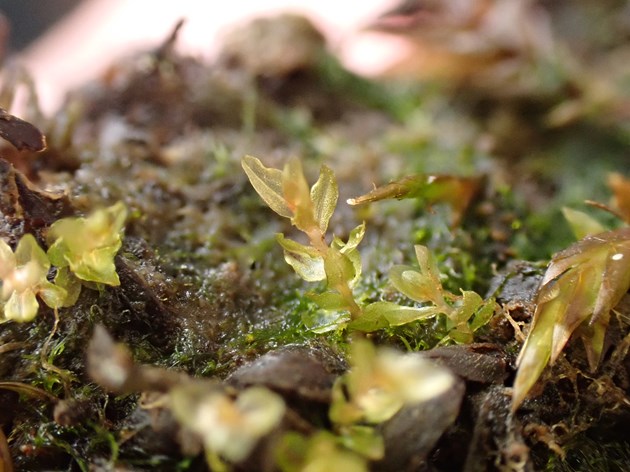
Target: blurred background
{"x":28,"y":19}
{"x":66,"y":42}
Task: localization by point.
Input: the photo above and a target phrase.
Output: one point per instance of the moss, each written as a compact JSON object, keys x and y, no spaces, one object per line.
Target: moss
{"x":204,"y":287}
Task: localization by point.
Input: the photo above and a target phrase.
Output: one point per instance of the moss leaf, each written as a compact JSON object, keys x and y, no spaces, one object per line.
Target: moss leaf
{"x":298,"y":196}
{"x":88,"y":245}
{"x":268,"y":184}
{"x":324,"y":195}
{"x":329,"y":300}
{"x":305,"y":260}
{"x":380,"y":315}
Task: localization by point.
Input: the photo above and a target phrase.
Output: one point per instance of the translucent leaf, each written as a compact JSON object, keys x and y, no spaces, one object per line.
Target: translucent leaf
{"x":581,"y":223}
{"x":354,"y":256}
{"x":268,"y":184}
{"x":97,"y":266}
{"x":324,"y":195}
{"x":28,"y":250}
{"x":305,"y":260}
{"x":467,"y":306}
{"x":426,"y":262}
{"x":229,"y":427}
{"x":350,"y":251}
{"x":483,"y":315}
{"x":364,"y":440}
{"x":420,"y":287}
{"x":298,"y":196}
{"x":21,"y":306}
{"x":342,"y":410}
{"x":461,"y":334}
{"x":381,"y":381}
{"x":578,"y":292}
{"x":57,"y":253}
{"x":7,"y":259}
{"x":536,"y":351}
{"x":324,"y":321}
{"x":70,"y":283}
{"x":88,"y":245}
{"x":100,"y":229}
{"x":52,"y":295}
{"x":355,"y":237}
{"x":323,"y":454}
{"x":329,"y":300}
{"x":380,"y":315}
{"x":615,"y":278}
{"x":340,"y":270}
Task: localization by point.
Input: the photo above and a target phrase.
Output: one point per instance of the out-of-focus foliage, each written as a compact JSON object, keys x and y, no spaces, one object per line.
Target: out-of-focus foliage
{"x":82,"y":248}
{"x":88,"y":245}
{"x":321,"y":452}
{"x":457,"y":192}
{"x":582,"y":224}
{"x":620,"y":187}
{"x":381,"y":381}
{"x":581,"y":286}
{"x":229,"y":427}
{"x":24,"y":276}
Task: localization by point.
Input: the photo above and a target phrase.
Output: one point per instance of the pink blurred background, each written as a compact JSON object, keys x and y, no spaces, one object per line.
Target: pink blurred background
{"x":98,"y":31}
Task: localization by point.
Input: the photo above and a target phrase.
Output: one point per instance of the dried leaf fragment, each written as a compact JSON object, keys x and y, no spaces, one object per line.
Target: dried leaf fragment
{"x":458,"y":192}
{"x":20,"y":133}
{"x":620,"y":186}
{"x":6,"y":464}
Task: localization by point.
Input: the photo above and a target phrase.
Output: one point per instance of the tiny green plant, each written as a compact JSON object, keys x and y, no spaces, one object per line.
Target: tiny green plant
{"x":230,"y":426}
{"x":321,"y":452}
{"x":582,"y":285}
{"x":465,"y":313}
{"x":81,"y":249}
{"x":24,"y":278}
{"x":338,"y":263}
{"x":87,"y":246}
{"x":381,"y":381}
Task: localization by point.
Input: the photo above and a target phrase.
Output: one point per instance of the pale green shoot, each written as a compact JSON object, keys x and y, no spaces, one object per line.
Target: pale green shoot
{"x":88,"y":245}
{"x":24,"y":277}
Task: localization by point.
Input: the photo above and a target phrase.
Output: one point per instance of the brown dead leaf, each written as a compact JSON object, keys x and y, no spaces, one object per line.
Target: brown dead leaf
{"x":457,"y":192}
{"x":620,"y":186}
{"x":20,"y":133}
{"x":582,"y":285}
{"x":6,"y":464}
{"x":24,"y":208}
